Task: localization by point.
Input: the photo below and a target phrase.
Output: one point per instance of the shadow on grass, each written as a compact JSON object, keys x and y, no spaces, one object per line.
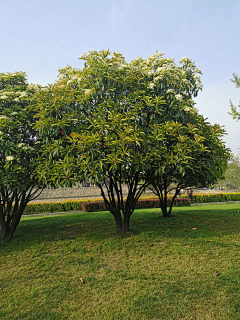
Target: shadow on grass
{"x":209,"y":220}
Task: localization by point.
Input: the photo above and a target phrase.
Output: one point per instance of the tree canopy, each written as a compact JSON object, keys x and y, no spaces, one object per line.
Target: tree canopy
{"x":133,"y":123}
{"x":19,"y":149}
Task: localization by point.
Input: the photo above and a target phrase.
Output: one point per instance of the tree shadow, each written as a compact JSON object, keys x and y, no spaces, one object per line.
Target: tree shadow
{"x":99,"y":227}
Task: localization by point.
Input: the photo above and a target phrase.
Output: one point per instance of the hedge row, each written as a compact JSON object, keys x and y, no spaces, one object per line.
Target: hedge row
{"x":44,"y":207}
{"x":76,"y":205}
{"x":216,"y":197}
{"x":148,"y":203}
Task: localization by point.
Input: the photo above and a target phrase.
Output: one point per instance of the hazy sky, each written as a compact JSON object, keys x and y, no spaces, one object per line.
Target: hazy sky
{"x":41,"y":36}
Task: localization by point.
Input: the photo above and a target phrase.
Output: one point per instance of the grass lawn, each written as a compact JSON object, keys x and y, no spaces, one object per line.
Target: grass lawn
{"x":184,"y":267}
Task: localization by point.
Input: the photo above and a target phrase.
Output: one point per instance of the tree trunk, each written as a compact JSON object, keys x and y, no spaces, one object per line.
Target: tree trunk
{"x":4,"y":229}
{"x":126,"y":223}
{"x":118,"y":221}
{"x":14,"y":225}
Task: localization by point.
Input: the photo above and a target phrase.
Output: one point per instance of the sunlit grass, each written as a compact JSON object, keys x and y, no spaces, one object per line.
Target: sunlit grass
{"x":161,"y":269}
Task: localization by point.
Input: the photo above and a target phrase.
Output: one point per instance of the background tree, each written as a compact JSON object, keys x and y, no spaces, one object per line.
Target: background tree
{"x":231,"y":179}
{"x":235,"y":114}
{"x":19,"y":150}
{"x":188,"y":150}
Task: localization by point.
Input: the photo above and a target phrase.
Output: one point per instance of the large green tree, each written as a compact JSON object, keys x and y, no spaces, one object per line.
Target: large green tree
{"x":19,"y":150}
{"x":90,"y":120}
{"x":115,"y":122}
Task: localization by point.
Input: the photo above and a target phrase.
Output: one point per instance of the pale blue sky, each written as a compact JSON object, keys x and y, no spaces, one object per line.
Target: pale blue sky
{"x":40,"y":36}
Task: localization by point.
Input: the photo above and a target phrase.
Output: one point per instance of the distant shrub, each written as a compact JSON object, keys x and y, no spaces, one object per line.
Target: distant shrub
{"x":216,"y":197}
{"x":143,"y":203}
{"x":99,"y":205}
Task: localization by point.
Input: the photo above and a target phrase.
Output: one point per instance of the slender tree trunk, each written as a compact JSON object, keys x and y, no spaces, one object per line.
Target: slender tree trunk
{"x":126,"y":222}
{"x":14,"y":225}
{"x":118,"y":221}
{"x":4,"y":229}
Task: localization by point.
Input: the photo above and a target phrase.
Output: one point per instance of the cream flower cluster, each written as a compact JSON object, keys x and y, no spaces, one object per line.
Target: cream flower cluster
{"x":87,"y":92}
{"x":10,"y":158}
{"x":151,"y":85}
{"x":178,"y":97}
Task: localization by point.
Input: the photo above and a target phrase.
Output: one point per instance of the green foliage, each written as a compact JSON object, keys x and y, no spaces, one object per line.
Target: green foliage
{"x":115,"y":122}
{"x":53,"y":207}
{"x":234,"y":113}
{"x":216,"y":197}
{"x":19,"y":149}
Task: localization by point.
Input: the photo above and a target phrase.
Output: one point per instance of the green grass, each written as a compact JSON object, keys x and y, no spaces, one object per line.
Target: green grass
{"x":161,"y":269}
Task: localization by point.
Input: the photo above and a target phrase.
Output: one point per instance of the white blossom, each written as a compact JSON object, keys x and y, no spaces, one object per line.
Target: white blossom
{"x":178,"y":97}
{"x":16,"y":99}
{"x":150,"y":73}
{"x":151,"y":57}
{"x":9,"y":158}
{"x":20,"y":145}
{"x":170,"y":90}
{"x":170,"y":60}
{"x":27,"y":148}
{"x":1,"y":133}
{"x":69,"y":81}
{"x":191,"y":101}
{"x":184,"y":59}
{"x":151,"y":85}
{"x":160,"y":69}
{"x":197,"y":70}
{"x":23,"y":94}
{"x":196,"y":77}
{"x":14,"y":113}
{"x":87,"y":92}
{"x":3,"y":97}
{"x":30,"y":86}
{"x":157,"y":79}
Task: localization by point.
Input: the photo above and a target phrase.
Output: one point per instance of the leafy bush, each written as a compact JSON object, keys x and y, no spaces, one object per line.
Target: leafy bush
{"x":216,"y":197}
{"x":44,"y":207}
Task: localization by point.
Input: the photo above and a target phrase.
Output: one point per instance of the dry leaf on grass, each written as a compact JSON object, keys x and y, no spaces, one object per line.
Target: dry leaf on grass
{"x":82,"y":280}
{"x":194,"y":228}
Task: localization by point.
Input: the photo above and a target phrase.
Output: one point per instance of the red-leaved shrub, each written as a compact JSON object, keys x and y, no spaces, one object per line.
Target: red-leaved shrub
{"x":146,"y":203}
